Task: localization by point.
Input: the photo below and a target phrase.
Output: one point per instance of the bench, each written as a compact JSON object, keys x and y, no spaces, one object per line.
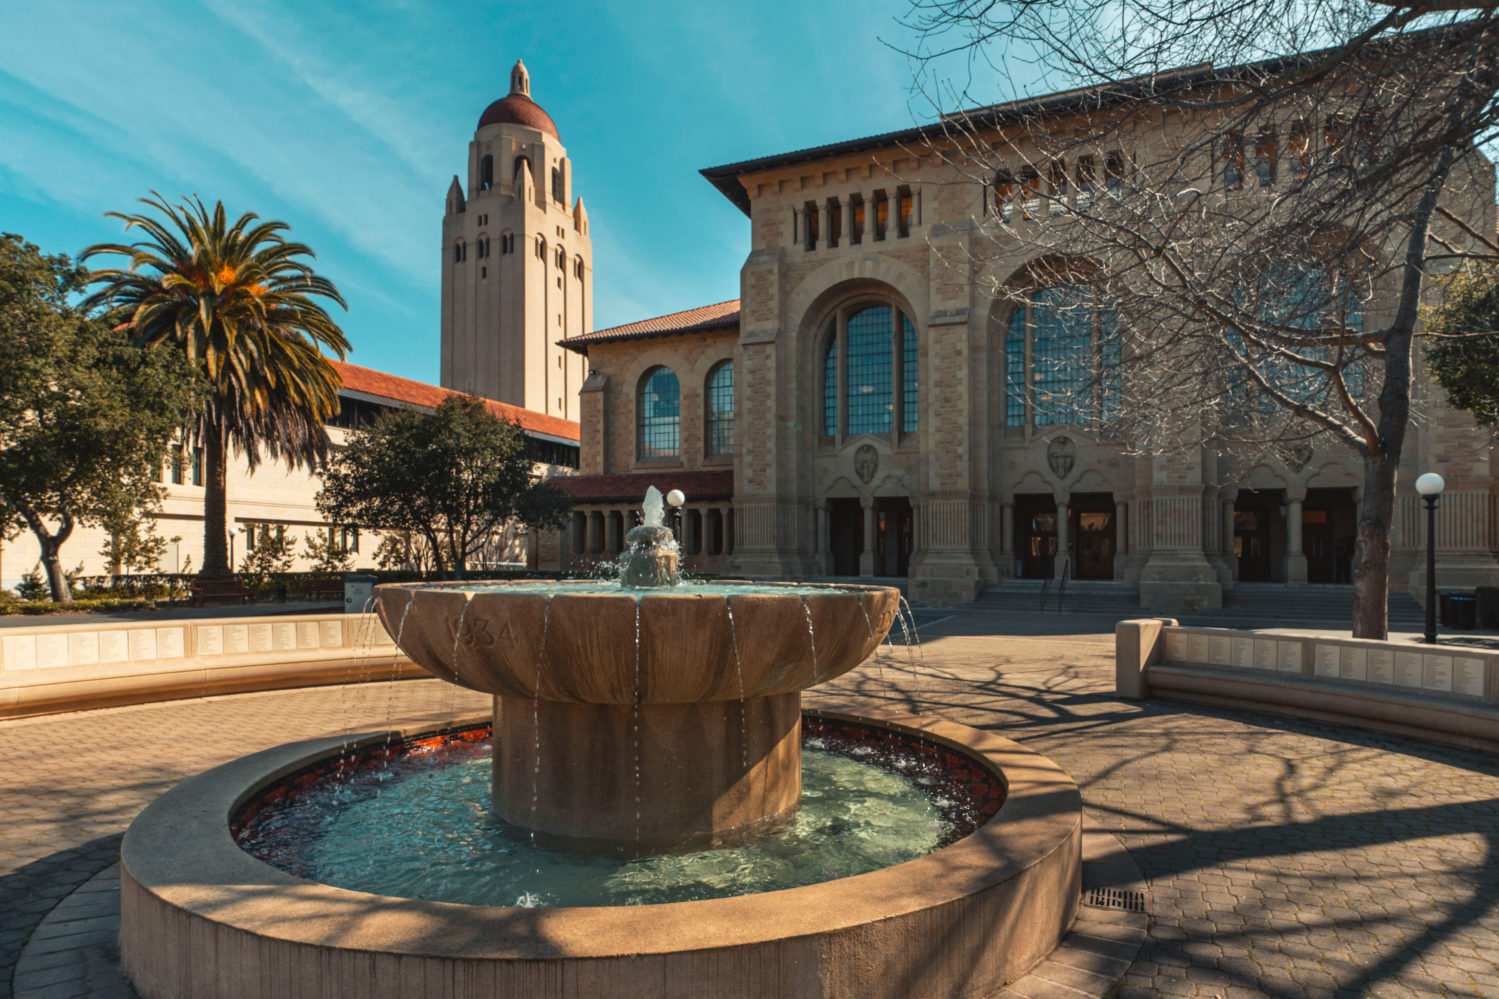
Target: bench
{"x":325,"y":588}
{"x":228,"y":588}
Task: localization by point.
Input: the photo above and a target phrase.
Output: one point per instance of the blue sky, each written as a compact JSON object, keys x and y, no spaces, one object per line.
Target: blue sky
{"x":348,"y":121}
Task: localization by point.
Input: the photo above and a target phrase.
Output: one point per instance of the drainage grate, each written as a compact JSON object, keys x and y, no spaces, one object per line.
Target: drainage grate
{"x":1114,"y":898}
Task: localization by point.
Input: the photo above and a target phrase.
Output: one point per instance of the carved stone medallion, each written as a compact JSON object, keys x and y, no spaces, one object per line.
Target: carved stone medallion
{"x":1061,"y":455}
{"x":1298,"y":456}
{"x":866,"y":463}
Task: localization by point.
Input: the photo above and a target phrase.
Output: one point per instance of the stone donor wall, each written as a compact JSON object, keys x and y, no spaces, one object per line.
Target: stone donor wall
{"x":74,"y":665}
{"x":1445,"y":694}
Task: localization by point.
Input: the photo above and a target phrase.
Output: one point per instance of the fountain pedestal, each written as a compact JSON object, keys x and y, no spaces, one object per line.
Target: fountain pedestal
{"x":699,"y":690}
{"x":663,"y":778}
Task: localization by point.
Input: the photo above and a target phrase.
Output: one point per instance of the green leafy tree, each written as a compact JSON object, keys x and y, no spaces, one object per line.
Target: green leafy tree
{"x":273,"y":551}
{"x":403,"y":550}
{"x":326,"y":553}
{"x":240,"y":303}
{"x":85,"y":416}
{"x":133,"y":544}
{"x":1463,"y":341}
{"x":454,"y":477}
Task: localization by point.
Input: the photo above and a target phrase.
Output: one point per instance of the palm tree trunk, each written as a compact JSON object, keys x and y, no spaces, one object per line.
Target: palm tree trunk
{"x":215,"y":501}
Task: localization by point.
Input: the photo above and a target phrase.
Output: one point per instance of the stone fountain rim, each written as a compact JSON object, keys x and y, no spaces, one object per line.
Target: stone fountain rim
{"x":179,"y":859}
{"x":687,"y":588}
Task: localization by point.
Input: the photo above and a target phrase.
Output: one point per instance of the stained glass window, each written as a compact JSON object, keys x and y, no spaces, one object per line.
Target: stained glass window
{"x":659,"y":424}
{"x":830,"y":389}
{"x":870,"y":364}
{"x":1061,"y":355}
{"x":721,"y":409}
{"x":910,"y":390}
{"x":1015,"y":370}
{"x":879,"y":352}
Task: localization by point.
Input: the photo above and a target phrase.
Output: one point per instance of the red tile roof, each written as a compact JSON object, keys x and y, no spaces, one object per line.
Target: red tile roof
{"x":722,"y":316}
{"x":629,"y":487}
{"x":380,"y":385}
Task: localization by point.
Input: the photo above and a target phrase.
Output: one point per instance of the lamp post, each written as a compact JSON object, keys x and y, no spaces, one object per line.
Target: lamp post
{"x":1430,"y":486}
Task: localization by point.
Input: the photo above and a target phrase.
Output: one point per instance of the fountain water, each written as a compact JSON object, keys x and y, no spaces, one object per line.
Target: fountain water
{"x":644,"y":731}
{"x":637,"y":699}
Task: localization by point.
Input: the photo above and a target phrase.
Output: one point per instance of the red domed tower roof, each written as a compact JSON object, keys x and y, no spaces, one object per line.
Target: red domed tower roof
{"x":517,"y":108}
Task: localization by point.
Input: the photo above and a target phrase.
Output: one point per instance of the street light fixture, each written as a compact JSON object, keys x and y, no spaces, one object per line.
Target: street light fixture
{"x":1430,"y":487}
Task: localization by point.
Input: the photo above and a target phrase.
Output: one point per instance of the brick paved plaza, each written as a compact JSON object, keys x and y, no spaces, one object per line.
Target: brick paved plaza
{"x":1281,"y":858}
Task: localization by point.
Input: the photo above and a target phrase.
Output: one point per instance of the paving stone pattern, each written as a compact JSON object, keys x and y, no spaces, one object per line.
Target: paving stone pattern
{"x":1281,"y":858}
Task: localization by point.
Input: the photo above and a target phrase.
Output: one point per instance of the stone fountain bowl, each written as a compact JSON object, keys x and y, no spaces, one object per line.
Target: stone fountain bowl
{"x":537,"y":640}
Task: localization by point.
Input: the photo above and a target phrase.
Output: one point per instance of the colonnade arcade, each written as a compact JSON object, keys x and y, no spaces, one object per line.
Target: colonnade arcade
{"x":705,"y":532}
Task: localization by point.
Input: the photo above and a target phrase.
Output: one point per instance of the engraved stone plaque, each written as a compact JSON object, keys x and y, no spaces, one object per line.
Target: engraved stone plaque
{"x":236,"y":639}
{"x":283,"y":636}
{"x":1438,"y":673}
{"x":1355,"y":663}
{"x":1327,"y":662}
{"x":330,"y":634}
{"x":1290,"y":657}
{"x":1243,"y":652}
{"x":1467,"y":676}
{"x":169,"y":643}
{"x":1408,"y":669}
{"x":83,"y":648}
{"x":20,"y":652}
{"x":113,"y":647}
{"x":51,"y":651}
{"x":210,"y":640}
{"x":1219,"y":650}
{"x":260,"y":638}
{"x":1199,"y":649}
{"x":306,"y":634}
{"x":1381,"y":666}
{"x":1264,"y":653}
{"x":142,"y":644}
{"x":1176,"y":647}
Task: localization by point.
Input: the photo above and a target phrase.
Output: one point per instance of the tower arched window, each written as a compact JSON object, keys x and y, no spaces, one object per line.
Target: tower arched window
{"x":541,"y":247}
{"x":871,"y":373}
{"x":1062,"y":358}
{"x":658,"y":408}
{"x":521,"y":163}
{"x":486,"y":173}
{"x":719,"y":418}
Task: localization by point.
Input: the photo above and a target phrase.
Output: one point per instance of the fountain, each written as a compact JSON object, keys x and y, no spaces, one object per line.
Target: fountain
{"x":633,"y":721}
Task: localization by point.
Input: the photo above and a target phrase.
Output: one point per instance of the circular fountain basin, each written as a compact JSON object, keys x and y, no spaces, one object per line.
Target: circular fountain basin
{"x":666,"y":719}
{"x":200,"y":917}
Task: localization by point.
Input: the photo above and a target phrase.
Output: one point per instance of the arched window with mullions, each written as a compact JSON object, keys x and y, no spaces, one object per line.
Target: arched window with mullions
{"x":870,"y":373}
{"x":1062,"y":358}
{"x":719,"y":421}
{"x":658,"y":419}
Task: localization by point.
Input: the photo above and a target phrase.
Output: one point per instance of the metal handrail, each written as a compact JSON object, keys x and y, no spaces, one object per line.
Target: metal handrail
{"x":1062,"y":586}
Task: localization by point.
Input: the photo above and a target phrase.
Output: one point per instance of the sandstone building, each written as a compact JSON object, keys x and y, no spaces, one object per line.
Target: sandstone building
{"x":869,"y":407}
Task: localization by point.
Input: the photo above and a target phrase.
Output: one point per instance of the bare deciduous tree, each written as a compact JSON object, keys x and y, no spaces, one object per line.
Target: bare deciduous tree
{"x":1237,"y":248}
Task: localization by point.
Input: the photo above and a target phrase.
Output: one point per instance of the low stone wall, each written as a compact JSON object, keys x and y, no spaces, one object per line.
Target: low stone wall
{"x":1439,"y":693}
{"x":87,"y":663}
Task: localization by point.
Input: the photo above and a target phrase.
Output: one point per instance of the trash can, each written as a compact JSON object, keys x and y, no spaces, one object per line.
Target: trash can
{"x":1463,"y":611}
{"x":358,"y":588}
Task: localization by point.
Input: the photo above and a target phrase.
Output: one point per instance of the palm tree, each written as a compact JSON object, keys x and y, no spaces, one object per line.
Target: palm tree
{"x":239,"y":300}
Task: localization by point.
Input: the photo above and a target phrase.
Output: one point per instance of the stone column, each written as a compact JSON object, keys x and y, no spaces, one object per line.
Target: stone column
{"x":595,"y":544}
{"x":1295,"y":557}
{"x":1062,"y":561}
{"x":1121,"y":537}
{"x":866,"y":558}
{"x":1230,"y":560}
{"x":822,"y":555}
